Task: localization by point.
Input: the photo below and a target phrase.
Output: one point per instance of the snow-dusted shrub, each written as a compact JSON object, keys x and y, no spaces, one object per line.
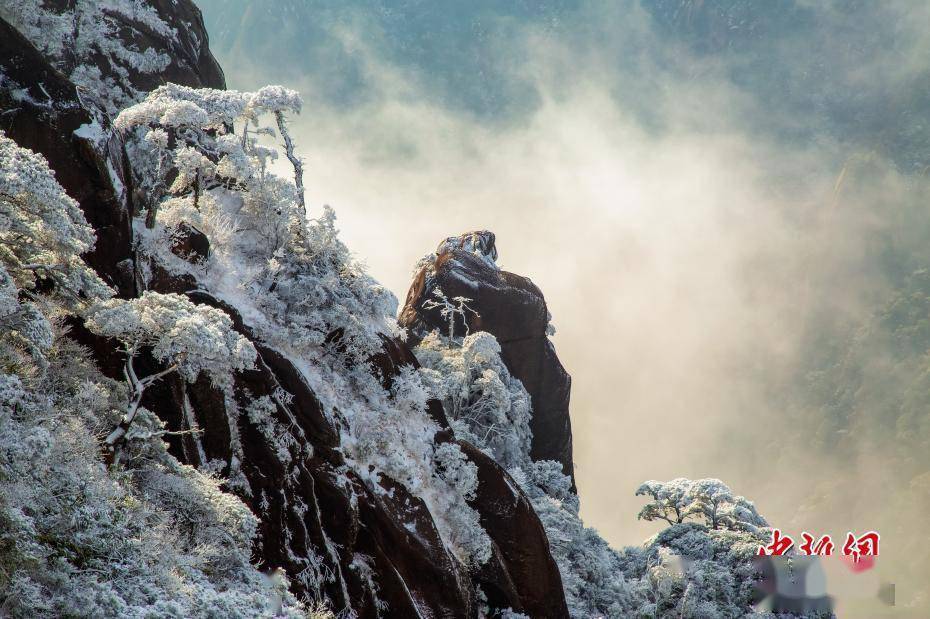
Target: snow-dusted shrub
{"x":188,"y":339}
{"x":453,"y":469}
{"x":594,"y":576}
{"x":178,"y":106}
{"x":260,"y":411}
{"x":42,"y":230}
{"x":22,"y":324}
{"x":484,"y":403}
{"x":189,"y":133}
{"x":389,"y":433}
{"x":688,"y":570}
{"x":694,"y":571}
{"x":669,"y":500}
{"x":79,"y":539}
{"x":490,"y":408}
{"x":150,"y":539}
{"x":296,"y":272}
{"x":322,"y":298}
{"x":42,"y":234}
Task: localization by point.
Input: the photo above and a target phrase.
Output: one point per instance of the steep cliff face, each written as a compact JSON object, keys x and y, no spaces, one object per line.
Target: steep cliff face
{"x":114,"y":52}
{"x":342,"y":530}
{"x":511,"y":308}
{"x":41,"y":112}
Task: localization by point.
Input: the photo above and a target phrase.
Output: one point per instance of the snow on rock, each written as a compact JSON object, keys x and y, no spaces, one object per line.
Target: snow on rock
{"x":150,"y":538}
{"x":88,"y":169}
{"x":702,"y":568}
{"x":331,"y":437}
{"x":513,"y":310}
{"x":116,"y":50}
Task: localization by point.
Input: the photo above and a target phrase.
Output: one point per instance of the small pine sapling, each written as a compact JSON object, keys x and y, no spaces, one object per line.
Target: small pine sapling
{"x":449,"y":309}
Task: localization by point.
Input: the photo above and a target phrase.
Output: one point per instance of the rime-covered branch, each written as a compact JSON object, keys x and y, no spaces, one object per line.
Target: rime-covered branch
{"x":449,"y":309}
{"x":294,"y":159}
{"x":709,"y":500}
{"x":190,"y":131}
{"x":137,"y":388}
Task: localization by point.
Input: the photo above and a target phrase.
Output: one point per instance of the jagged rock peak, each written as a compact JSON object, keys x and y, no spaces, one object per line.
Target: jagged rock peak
{"x":480,"y":242}
{"x":510,"y":307}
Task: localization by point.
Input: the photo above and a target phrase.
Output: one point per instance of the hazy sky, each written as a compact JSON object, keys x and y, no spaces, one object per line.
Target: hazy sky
{"x":672,"y":178}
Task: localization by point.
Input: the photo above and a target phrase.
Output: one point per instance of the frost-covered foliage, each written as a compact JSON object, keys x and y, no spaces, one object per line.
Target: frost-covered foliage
{"x":152,"y":538}
{"x":594,"y":576}
{"x":709,"y":500}
{"x":490,"y":408}
{"x":76,"y":539}
{"x":42,"y":230}
{"x":189,"y":133}
{"x":457,"y":479}
{"x":688,"y":570}
{"x":188,"y":339}
{"x":295,"y":284}
{"x":90,"y":42}
{"x":22,"y":323}
{"x":42,"y":234}
{"x":296,"y":273}
{"x":484,"y":403}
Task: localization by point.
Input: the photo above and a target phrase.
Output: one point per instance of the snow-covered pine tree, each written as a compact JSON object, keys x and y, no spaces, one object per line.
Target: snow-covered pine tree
{"x":188,"y":339}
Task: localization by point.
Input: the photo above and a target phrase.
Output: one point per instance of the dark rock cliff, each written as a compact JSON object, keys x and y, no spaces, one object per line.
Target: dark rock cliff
{"x":316,"y":512}
{"x":40,"y":109}
{"x":511,"y":308}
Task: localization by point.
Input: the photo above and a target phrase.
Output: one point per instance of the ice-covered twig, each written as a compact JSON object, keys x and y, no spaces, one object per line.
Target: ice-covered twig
{"x":450,"y":309}
{"x":294,"y":159}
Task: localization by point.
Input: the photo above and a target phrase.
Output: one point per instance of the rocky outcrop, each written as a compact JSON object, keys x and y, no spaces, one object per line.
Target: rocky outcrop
{"x":190,"y":243}
{"x":192,"y":64}
{"x":40,"y":109}
{"x":521,"y":573}
{"x":511,"y":308}
{"x":319,"y":521}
